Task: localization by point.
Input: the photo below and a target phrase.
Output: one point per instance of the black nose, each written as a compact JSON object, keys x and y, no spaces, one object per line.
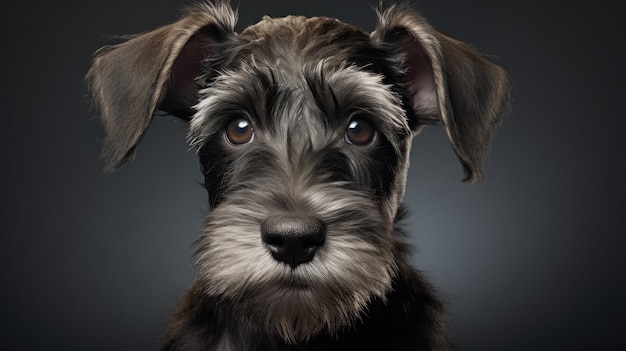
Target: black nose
{"x":293,"y":239}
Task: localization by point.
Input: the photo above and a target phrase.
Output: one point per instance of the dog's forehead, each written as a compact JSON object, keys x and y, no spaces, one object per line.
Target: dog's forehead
{"x":299,"y":40}
{"x":303,"y":29}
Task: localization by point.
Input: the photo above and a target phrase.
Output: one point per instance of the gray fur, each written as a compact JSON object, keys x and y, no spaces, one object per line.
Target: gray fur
{"x":299,"y":83}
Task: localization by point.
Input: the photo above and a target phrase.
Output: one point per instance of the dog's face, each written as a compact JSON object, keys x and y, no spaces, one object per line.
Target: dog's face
{"x":303,"y":128}
{"x":294,"y":134}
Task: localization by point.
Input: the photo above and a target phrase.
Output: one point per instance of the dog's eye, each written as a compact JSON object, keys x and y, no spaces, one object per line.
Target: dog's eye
{"x":359,"y":132}
{"x":239,"y":131}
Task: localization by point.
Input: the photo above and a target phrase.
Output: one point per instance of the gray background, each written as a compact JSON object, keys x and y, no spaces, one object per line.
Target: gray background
{"x":530,"y":260}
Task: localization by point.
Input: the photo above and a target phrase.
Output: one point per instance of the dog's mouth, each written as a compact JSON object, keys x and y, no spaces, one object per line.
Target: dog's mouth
{"x":295,"y":278}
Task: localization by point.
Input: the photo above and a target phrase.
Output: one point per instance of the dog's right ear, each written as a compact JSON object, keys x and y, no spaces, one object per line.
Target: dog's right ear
{"x":448,"y":82}
{"x":156,"y":69}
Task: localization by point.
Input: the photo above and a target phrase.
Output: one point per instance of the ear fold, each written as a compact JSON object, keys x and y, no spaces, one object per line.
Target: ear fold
{"x":449,"y":82}
{"x":157,"y":69}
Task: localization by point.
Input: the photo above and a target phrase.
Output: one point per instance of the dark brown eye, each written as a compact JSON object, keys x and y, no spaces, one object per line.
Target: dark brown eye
{"x":239,"y":131}
{"x":359,"y":132}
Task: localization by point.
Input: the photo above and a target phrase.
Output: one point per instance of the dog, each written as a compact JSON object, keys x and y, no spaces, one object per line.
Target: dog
{"x":303,"y":128}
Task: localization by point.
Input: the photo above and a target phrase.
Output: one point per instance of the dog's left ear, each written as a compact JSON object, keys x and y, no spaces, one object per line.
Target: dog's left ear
{"x":156,"y":69}
{"x":447,"y":81}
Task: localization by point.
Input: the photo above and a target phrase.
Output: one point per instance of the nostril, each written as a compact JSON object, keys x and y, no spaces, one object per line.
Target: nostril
{"x":273,"y":240}
{"x":274,"y":243}
{"x":293,"y":239}
{"x":316,"y":235}
{"x":310,"y":243}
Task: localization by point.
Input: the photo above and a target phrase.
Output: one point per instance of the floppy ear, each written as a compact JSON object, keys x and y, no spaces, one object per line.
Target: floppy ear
{"x":156,"y":69}
{"x":449,"y":82}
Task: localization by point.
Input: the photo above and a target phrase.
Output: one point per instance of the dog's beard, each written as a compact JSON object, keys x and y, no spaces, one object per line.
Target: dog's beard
{"x":329,"y":293}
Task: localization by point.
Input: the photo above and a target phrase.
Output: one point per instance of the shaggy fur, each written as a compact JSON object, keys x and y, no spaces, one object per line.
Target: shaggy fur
{"x":303,"y":127}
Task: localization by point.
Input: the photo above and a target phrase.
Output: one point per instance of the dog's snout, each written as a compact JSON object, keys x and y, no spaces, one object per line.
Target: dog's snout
{"x":293,"y":239}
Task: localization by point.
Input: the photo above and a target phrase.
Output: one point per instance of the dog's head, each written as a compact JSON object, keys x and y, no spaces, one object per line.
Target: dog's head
{"x":303,"y":127}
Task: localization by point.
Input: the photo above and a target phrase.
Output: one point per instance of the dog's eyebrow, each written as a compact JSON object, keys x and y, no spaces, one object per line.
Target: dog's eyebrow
{"x":250,"y":90}
{"x":338,"y":93}
{"x":357,"y":90}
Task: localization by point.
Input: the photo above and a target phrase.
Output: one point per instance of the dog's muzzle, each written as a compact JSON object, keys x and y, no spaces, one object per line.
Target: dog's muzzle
{"x":293,"y":239}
